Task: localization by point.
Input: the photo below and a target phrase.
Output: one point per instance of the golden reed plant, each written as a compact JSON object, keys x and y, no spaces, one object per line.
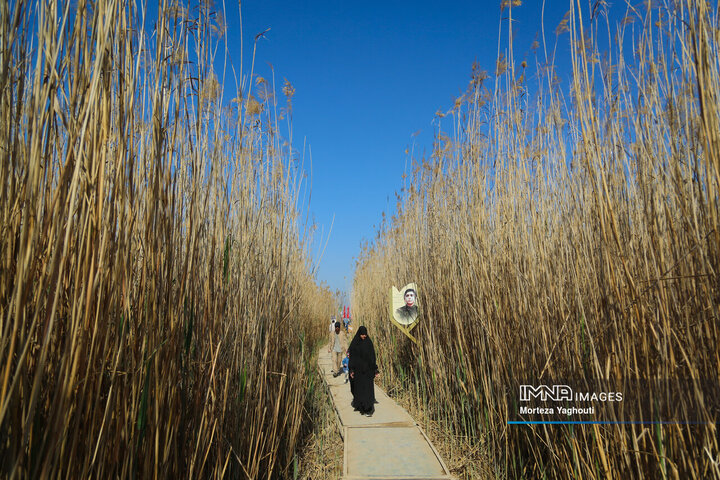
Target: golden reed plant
{"x":567,"y":233}
{"x":157,"y":305}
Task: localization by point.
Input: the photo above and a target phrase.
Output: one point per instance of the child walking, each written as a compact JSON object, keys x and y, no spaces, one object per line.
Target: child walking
{"x":345,"y":364}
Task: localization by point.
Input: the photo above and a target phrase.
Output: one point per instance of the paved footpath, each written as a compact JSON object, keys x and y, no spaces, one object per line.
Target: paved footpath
{"x":388,"y":445}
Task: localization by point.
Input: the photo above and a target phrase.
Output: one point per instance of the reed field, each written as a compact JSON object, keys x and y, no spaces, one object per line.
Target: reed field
{"x":566,"y":228}
{"x":322,"y":454}
{"x":158,"y":310}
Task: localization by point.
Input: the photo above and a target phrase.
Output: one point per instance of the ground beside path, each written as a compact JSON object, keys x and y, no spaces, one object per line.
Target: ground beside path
{"x":388,"y":445}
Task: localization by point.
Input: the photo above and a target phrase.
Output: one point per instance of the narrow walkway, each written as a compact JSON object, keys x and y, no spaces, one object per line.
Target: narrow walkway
{"x":388,"y":445}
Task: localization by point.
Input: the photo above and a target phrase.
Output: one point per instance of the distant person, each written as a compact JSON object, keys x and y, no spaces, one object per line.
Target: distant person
{"x":363,"y":370}
{"x":346,"y":321}
{"x":346,"y":365}
{"x":408,"y":312}
{"x":332,"y":323}
{"x":338,"y":347}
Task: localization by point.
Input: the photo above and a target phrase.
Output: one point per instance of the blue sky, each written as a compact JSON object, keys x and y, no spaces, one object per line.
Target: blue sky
{"x":368,"y":76}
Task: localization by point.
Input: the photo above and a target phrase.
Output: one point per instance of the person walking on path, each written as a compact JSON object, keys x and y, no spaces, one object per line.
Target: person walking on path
{"x":363,"y":370}
{"x":345,"y":366}
{"x":338,"y":347}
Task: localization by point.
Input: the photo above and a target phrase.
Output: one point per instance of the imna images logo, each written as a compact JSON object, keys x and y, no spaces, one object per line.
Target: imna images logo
{"x":559,"y":393}
{"x":556,"y":393}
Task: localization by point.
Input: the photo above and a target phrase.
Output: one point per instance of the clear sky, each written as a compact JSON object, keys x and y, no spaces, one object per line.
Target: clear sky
{"x":369,"y":75}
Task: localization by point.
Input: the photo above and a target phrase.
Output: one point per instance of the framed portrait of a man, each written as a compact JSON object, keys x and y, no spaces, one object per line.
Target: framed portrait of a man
{"x":404,"y":304}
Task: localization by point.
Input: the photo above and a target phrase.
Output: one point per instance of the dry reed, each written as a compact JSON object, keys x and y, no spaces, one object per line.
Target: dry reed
{"x":568,"y":233}
{"x":322,"y":454}
{"x":157,"y":308}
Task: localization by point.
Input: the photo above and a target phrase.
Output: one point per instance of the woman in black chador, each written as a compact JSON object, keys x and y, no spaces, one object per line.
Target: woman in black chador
{"x":363,"y":371}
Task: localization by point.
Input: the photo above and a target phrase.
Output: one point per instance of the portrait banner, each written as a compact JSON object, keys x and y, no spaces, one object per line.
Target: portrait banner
{"x":404,"y":308}
{"x":404,"y":304}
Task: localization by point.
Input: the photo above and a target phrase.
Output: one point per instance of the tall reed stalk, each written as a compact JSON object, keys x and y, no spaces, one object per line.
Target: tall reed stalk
{"x":157,"y":307}
{"x":568,"y":232}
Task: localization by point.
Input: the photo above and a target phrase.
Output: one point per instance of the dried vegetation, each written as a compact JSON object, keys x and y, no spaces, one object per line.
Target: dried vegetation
{"x":567,"y":231}
{"x":153,"y":252}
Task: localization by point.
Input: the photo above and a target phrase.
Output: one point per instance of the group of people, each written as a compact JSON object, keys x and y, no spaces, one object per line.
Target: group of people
{"x":346,"y":324}
{"x":359,"y":364}
{"x":357,"y":361}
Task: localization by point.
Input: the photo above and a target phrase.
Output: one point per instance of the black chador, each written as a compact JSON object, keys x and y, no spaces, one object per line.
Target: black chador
{"x":363,"y":368}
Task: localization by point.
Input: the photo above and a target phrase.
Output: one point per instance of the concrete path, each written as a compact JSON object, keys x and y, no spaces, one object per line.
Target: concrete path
{"x":388,"y":445}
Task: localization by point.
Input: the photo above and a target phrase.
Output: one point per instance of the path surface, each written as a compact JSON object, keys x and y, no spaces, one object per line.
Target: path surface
{"x":388,"y":445}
